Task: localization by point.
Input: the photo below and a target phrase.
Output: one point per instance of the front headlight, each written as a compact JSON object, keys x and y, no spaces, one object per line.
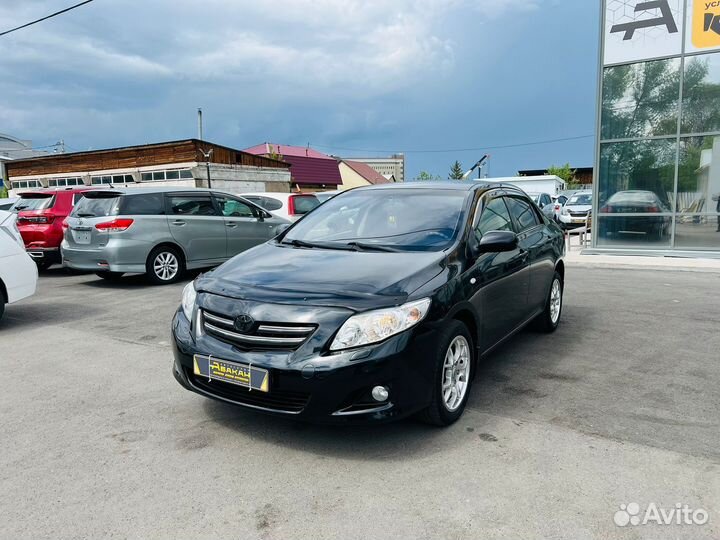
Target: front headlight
{"x":188,"y":300}
{"x":374,"y":326}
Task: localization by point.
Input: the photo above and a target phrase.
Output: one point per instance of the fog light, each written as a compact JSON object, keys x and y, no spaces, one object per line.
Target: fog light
{"x":380,"y":393}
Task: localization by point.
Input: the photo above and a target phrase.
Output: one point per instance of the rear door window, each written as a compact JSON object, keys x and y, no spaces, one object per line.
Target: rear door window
{"x":523,"y":213}
{"x":33,"y":201}
{"x":191,"y":205}
{"x":145,"y":204}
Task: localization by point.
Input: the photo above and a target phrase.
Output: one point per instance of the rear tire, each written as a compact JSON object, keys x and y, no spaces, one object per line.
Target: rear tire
{"x":110,"y":276}
{"x":165,"y":265}
{"x":451,"y":383}
{"x":43,"y":265}
{"x":549,"y":319}
{"x":3,"y":301}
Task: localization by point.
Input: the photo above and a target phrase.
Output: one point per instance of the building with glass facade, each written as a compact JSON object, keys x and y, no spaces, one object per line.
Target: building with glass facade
{"x":658,"y":150}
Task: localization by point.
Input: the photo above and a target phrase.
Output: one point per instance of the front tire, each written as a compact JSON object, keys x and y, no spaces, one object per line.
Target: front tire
{"x":452,"y":379}
{"x":3,"y":301}
{"x":549,"y":319}
{"x":165,"y":265}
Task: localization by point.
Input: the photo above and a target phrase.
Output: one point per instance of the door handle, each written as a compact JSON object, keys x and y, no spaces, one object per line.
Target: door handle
{"x":231,"y":224}
{"x":178,"y":222}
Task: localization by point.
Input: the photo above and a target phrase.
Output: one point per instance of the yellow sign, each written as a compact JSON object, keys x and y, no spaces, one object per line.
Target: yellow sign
{"x":706,"y":24}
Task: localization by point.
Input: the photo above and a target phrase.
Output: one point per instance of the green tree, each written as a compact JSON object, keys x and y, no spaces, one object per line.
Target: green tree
{"x":456,"y":171}
{"x":566,"y":173}
{"x":425,"y":176}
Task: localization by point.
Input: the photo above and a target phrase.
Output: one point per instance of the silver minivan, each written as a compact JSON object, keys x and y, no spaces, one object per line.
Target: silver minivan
{"x":161,"y":232}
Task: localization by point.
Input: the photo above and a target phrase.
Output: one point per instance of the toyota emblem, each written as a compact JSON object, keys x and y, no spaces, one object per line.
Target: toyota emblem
{"x":244,"y":322}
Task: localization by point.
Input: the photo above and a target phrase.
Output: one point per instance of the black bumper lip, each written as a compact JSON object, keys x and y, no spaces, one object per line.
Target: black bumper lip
{"x":336,"y":393}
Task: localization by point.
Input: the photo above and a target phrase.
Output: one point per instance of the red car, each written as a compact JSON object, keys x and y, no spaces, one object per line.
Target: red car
{"x":40,"y":220}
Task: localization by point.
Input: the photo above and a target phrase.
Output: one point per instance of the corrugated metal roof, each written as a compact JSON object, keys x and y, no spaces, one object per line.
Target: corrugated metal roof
{"x":309,"y":170}
{"x":286,"y":150}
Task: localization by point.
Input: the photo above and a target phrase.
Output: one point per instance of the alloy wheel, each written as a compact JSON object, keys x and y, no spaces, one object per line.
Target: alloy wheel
{"x":555,"y":301}
{"x":166,"y":266}
{"x":456,"y":373}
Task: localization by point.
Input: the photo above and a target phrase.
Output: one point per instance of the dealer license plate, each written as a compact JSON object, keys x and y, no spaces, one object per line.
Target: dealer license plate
{"x":244,"y":375}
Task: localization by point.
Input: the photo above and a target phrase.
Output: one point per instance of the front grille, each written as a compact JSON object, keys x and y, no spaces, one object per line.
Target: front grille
{"x":261,"y":336}
{"x":276,"y":400}
{"x":578,"y":214}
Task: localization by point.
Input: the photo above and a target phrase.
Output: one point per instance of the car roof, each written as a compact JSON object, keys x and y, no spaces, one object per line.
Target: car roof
{"x":455,"y":185}
{"x":45,"y":191}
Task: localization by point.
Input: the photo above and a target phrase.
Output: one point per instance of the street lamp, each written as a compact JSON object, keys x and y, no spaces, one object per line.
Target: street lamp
{"x":207,"y":155}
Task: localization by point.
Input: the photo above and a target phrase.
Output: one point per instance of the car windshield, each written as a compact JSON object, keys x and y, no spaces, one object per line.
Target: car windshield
{"x":33,"y":202}
{"x":97,"y":205}
{"x":383,"y":220}
{"x":584,"y":199}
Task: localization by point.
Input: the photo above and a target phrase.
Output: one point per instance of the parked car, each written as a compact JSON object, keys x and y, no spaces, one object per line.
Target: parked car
{"x":7,"y":203}
{"x":576,"y":210}
{"x":291,"y":206}
{"x":18,"y":272}
{"x":161,"y":232}
{"x":40,"y":219}
{"x":375,"y":306}
{"x":654,"y":225}
{"x":544,"y":202}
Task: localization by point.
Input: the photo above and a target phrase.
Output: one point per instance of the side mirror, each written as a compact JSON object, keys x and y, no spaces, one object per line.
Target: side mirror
{"x":281,"y":228}
{"x":497,"y":241}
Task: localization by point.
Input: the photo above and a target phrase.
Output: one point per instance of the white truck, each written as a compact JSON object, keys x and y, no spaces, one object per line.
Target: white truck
{"x":548,"y":183}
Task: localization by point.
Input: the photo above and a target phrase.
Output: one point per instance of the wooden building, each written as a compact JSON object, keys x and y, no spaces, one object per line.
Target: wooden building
{"x":175,"y":163}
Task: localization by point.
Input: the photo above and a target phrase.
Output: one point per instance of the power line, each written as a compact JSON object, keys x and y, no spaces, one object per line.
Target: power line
{"x":449,"y":150}
{"x":45,"y":18}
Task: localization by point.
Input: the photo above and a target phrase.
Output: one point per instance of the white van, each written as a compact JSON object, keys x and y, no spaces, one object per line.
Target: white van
{"x":18,"y":272}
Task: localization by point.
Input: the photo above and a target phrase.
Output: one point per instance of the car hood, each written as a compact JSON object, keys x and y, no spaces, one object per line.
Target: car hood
{"x":290,"y":275}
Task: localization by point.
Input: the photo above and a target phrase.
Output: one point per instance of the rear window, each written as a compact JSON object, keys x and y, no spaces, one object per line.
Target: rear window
{"x":305,"y":203}
{"x":34,"y":201}
{"x":146,"y":204}
{"x":97,"y":205}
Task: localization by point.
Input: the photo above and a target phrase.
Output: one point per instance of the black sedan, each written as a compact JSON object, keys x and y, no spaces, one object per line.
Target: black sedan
{"x":375,"y":306}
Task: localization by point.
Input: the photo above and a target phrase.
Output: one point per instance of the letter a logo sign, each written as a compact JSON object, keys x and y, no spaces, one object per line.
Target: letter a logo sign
{"x":706,"y":24}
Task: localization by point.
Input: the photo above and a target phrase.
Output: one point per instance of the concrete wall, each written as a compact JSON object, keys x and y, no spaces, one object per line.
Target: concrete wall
{"x":243,"y":179}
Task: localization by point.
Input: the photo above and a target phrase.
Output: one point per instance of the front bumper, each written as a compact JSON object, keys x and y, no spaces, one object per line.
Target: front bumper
{"x":321,"y":388}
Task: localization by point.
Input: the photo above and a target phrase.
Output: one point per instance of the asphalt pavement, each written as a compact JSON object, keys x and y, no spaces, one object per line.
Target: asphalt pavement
{"x":620,"y":405}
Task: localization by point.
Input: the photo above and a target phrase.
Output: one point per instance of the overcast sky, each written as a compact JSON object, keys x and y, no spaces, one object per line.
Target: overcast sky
{"x":350,"y":77}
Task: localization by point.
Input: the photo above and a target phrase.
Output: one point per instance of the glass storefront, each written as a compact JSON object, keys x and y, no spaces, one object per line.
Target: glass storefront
{"x":658,"y":180}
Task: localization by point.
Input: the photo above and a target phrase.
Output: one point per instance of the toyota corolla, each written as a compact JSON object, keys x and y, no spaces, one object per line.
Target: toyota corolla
{"x":375,"y":306}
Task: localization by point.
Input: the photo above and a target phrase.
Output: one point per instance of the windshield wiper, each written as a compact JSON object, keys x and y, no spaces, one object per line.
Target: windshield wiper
{"x":312,"y":245}
{"x":82,"y":214}
{"x":364,"y":246}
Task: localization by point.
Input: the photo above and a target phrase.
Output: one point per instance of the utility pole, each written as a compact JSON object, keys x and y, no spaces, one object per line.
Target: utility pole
{"x":207,"y":164}
{"x":200,"y":126}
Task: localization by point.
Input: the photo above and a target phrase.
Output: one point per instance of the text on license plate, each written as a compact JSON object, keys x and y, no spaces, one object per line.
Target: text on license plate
{"x":245,"y":375}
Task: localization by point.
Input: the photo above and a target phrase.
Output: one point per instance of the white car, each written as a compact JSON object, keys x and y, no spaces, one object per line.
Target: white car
{"x":290,"y":206}
{"x":18,"y":272}
{"x":7,"y":204}
{"x":575,"y":211}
